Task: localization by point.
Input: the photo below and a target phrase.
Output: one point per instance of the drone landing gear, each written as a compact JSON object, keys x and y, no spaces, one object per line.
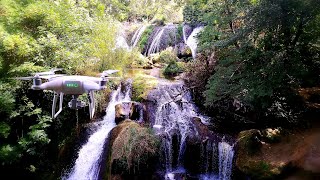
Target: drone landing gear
{"x":73,"y":104}
{"x":55,"y":99}
{"x":92,"y":106}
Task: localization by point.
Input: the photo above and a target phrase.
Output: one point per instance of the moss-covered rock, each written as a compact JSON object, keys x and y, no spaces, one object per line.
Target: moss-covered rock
{"x":133,"y":151}
{"x":278,"y":153}
{"x":249,"y":144}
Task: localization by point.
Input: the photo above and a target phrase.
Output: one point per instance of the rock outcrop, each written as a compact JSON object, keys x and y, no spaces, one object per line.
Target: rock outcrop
{"x":129,"y":110}
{"x":279,"y":154}
{"x":133,"y":151}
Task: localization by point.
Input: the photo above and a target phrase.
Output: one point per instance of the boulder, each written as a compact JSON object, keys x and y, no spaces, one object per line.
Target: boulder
{"x":129,"y":110}
{"x":279,"y":154}
{"x":133,"y":151}
{"x":183,"y":51}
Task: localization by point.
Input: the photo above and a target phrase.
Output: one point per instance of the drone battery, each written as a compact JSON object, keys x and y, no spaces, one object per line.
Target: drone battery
{"x":73,"y":87}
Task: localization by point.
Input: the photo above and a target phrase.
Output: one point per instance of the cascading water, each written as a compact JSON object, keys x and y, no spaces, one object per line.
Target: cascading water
{"x":184,"y":34}
{"x":87,"y":165}
{"x":192,"y":41}
{"x":226,"y":153}
{"x":217,"y":161}
{"x":155,"y":44}
{"x":173,"y":122}
{"x":173,"y":117}
{"x":136,"y":37}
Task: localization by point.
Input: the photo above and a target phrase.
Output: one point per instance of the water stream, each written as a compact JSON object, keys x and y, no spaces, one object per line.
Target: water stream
{"x":136,"y":37}
{"x":87,"y":165}
{"x":155,"y":44}
{"x":173,"y":119}
{"x":192,"y":41}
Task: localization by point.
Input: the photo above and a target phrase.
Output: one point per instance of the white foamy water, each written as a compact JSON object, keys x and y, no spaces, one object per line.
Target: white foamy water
{"x":87,"y":165}
{"x":192,"y":41}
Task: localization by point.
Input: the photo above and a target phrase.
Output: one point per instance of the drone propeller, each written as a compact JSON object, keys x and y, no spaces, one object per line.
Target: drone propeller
{"x":51,"y":72}
{"x":39,"y":77}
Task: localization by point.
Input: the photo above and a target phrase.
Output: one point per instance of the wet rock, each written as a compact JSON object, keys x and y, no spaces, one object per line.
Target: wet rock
{"x":204,"y":133}
{"x":290,"y":155}
{"x":129,"y":110}
{"x":183,"y":51}
{"x":133,"y":151}
{"x":187,"y":30}
{"x":176,"y":176}
{"x":168,"y":38}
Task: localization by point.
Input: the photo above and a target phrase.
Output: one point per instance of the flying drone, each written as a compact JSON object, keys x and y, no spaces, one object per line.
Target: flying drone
{"x":74,"y":85}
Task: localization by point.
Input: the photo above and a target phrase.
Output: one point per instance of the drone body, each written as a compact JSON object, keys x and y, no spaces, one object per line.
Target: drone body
{"x":74,"y":85}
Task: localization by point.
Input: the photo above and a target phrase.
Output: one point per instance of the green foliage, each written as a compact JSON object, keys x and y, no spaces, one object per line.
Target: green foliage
{"x":167,"y":56}
{"x":134,"y":146}
{"x":196,"y":11}
{"x":4,"y":130}
{"x":26,"y":69}
{"x":148,"y":11}
{"x":58,"y":34}
{"x":138,"y":60}
{"x":141,"y":85}
{"x":7,"y":100}
{"x":172,"y":69}
{"x":145,"y":36}
{"x":31,"y":137}
{"x":179,"y":32}
{"x":265,"y":50}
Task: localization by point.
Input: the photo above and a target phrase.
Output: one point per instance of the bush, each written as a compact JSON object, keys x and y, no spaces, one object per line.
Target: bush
{"x":167,"y":56}
{"x":144,"y":37}
{"x":173,"y":69}
{"x":133,"y":147}
{"x":142,"y":84}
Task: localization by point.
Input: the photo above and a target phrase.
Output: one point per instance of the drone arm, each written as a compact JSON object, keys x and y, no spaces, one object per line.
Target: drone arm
{"x":55,"y":98}
{"x":91,"y":86}
{"x":91,"y":104}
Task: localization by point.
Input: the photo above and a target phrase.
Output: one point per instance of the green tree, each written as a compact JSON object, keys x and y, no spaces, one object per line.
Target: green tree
{"x":264,"y":50}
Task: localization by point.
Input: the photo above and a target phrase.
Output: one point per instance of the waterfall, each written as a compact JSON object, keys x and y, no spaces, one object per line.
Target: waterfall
{"x":87,"y":165}
{"x":192,"y":41}
{"x":136,"y":37}
{"x":226,"y":153}
{"x":184,"y":34}
{"x":209,"y":157}
{"x":155,"y":44}
{"x":121,"y":42}
{"x":173,"y":116}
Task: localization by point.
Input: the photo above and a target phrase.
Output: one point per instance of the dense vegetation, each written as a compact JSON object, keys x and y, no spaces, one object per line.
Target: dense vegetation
{"x":76,"y":35}
{"x":254,"y":57}
{"x":36,"y":36}
{"x":264,"y":51}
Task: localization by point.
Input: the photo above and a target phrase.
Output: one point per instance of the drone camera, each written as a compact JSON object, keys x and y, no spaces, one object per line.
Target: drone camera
{"x":103,"y":83}
{"x":76,"y":104}
{"x":37,"y":81}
